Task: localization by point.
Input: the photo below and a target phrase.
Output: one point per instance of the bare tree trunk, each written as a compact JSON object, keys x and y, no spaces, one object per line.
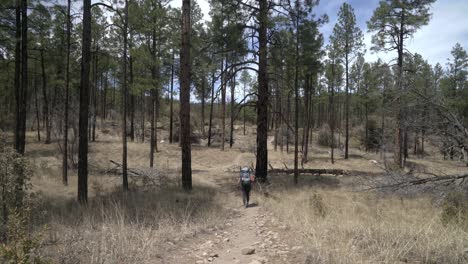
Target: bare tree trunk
{"x":19,"y":138}
{"x":347,"y":107}
{"x":171,"y":114}
{"x":366,"y":112}
{"x":67,"y":86}
{"x":203,"y":105}
{"x":38,"y":120}
{"x":104,"y":97}
{"x":288,"y":118}
{"x":223,"y":104}
{"x":46,"y":99}
{"x":153,"y":127}
{"x":211,"y":107}
{"x":233,"y":89}
{"x":84,"y":105}
{"x":398,"y":157}
{"x":243,"y":110}
{"x":96,"y":56}
{"x":124,"y":100}
{"x":332,"y":116}
{"x":185,"y":68}
{"x":296,"y":99}
{"x":142,"y":115}
{"x":261,"y":171}
{"x":132,"y":104}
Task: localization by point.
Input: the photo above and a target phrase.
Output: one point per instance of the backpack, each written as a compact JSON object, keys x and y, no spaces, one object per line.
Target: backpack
{"x":245,"y":175}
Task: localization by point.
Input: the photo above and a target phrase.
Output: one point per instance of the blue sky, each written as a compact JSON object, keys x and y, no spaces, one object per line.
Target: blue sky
{"x":449,"y":25}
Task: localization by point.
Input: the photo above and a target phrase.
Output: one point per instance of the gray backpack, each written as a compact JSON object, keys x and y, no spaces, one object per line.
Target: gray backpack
{"x":245,"y":175}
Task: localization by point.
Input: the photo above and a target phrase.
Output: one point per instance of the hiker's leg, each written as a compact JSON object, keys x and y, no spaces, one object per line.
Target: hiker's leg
{"x":244,"y":194}
{"x":248,"y":192}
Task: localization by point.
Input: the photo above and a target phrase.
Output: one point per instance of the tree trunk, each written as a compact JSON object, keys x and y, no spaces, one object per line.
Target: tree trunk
{"x":124,"y":100}
{"x":185,"y":68}
{"x":398,"y":158}
{"x":223,"y":105}
{"x":95,"y":92}
{"x":19,"y":139}
{"x":261,"y":171}
{"x":67,"y":86}
{"x":171,"y":114}
{"x":38,"y":120}
{"x":45,"y":98}
{"x":288,"y":118}
{"x":211,"y":107}
{"x":153,"y":127}
{"x":347,"y":108}
{"x":332,"y":115}
{"x":132,"y":103}
{"x":203,"y":106}
{"x":243,"y":110}
{"x":296,"y":99}
{"x":142,"y":116}
{"x":366,"y":111}
{"x":233,"y":89}
{"x":84,"y":105}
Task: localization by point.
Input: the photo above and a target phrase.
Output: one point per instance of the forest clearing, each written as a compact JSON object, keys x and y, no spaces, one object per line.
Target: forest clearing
{"x":247,"y":131}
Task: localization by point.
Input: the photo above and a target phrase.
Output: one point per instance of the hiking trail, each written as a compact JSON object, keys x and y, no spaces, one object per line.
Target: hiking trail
{"x":249,"y":236}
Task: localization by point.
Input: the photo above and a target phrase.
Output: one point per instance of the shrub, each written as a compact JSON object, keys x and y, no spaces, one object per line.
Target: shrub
{"x":324,"y":138}
{"x":455,"y":209}
{"x":22,"y":247}
{"x":374,"y":133}
{"x":317,"y":205}
{"x":18,"y":245}
{"x":14,"y":181}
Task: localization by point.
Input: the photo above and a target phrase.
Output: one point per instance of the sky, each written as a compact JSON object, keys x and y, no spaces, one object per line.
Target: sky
{"x":448,"y":25}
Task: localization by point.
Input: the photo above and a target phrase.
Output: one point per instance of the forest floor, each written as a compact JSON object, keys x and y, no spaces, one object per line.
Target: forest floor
{"x":324,"y":220}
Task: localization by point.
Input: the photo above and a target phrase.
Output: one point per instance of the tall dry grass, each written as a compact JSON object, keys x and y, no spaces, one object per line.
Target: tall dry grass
{"x":346,"y":227}
{"x":134,"y":227}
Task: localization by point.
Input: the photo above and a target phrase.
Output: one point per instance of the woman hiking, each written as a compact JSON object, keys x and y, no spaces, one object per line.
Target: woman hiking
{"x":246,"y":179}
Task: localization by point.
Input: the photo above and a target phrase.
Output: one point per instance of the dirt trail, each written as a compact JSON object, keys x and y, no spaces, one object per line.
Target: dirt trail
{"x":250,"y":235}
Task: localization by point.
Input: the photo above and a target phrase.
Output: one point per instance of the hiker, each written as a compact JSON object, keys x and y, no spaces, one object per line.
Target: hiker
{"x":246,"y":178}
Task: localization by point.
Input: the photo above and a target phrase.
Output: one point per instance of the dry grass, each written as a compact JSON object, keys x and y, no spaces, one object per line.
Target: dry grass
{"x":346,"y":227}
{"x":338,"y":226}
{"x":133,"y":227}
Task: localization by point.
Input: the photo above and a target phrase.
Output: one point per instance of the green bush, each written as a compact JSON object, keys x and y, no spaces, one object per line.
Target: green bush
{"x":455,"y":209}
{"x":324,"y":138}
{"x":17,"y":245}
{"x":21,"y":247}
{"x":374,"y":133}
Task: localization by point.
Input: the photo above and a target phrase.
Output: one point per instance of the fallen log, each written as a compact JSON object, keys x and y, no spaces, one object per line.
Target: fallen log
{"x":421,"y":181}
{"x":136,"y":173}
{"x":309,"y":171}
